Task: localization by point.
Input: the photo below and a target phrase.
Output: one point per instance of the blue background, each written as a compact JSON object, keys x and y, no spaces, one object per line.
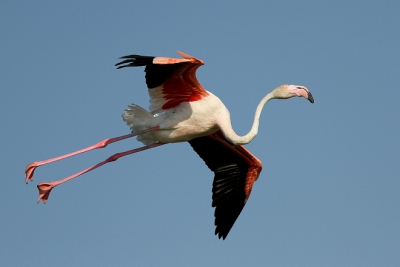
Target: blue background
{"x":329,"y":191}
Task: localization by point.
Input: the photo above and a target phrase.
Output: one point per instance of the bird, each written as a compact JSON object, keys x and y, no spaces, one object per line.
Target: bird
{"x":181,"y":110}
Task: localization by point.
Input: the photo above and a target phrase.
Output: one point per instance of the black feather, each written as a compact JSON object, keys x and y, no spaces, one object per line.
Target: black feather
{"x":156,"y":74}
{"x":134,"y":61}
{"x":228,"y":187}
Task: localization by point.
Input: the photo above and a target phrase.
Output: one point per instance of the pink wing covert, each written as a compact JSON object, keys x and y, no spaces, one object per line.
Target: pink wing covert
{"x":176,"y":82}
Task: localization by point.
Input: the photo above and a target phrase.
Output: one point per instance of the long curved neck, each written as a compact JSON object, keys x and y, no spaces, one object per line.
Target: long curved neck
{"x":235,"y":139}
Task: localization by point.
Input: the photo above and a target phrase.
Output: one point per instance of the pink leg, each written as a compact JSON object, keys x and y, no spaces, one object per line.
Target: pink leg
{"x":45,"y":188}
{"x":30,"y":169}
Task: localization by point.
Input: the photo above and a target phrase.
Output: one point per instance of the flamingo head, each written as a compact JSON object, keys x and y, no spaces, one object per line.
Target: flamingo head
{"x":289,"y":90}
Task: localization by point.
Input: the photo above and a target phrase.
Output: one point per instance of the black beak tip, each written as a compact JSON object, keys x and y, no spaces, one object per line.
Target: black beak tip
{"x":310,"y":98}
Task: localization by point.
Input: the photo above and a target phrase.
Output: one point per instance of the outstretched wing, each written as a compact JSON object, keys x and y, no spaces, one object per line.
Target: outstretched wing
{"x":235,"y":169}
{"x":170,"y":81}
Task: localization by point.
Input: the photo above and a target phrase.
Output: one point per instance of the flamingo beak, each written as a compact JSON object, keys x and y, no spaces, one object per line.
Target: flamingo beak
{"x":310,"y":97}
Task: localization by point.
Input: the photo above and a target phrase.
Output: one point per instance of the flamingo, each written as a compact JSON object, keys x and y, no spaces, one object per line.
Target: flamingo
{"x":182,"y":110}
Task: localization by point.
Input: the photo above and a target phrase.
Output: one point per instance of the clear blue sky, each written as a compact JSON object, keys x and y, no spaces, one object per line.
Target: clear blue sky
{"x":329,"y":193}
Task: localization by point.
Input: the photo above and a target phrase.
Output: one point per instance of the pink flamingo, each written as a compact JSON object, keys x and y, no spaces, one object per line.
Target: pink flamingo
{"x":182,"y":110}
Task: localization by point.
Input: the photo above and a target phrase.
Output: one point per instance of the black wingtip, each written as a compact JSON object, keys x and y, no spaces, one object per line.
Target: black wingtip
{"x":220,"y":235}
{"x":134,"y":61}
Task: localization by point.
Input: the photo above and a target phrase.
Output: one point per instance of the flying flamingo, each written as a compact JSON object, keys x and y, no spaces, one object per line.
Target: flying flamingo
{"x":182,"y":110}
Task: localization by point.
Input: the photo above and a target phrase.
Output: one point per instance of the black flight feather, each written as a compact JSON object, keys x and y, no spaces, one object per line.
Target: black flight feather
{"x":228,"y":187}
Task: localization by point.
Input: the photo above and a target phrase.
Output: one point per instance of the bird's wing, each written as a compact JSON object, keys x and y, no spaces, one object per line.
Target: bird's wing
{"x":235,"y":169}
{"x":171,"y":81}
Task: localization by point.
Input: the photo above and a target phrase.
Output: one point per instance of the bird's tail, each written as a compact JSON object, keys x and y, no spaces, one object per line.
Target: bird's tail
{"x":137,"y":117}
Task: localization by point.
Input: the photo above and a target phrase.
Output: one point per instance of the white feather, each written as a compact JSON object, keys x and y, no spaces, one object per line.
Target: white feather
{"x":136,"y":118}
{"x":156,"y":100}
